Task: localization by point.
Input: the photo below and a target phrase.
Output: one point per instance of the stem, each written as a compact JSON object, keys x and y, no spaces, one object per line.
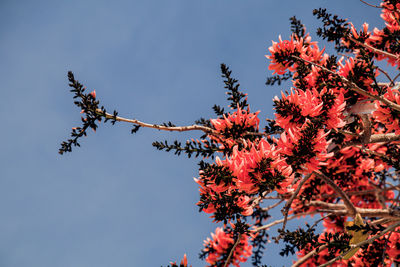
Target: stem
{"x":285,"y":210}
{"x":375,"y":50}
{"x":385,"y":213}
{"x":273,"y":205}
{"x":281,"y":220}
{"x":232,"y":250}
{"x":159,"y":127}
{"x":309,"y":255}
{"x":368,"y":4}
{"x":350,"y":207}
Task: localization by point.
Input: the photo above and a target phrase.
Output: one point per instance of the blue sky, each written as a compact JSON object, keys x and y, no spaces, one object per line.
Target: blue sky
{"x":116,"y":201}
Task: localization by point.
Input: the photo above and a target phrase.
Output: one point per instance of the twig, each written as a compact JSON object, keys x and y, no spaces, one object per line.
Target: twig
{"x":387,"y":76}
{"x":346,"y":200}
{"x":385,"y":213}
{"x":397,"y":76}
{"x":368,"y":4}
{"x":273,"y":205}
{"x":374,"y":153}
{"x":353,"y":86}
{"x":285,"y":210}
{"x":281,"y":220}
{"x":368,"y":241}
{"x":309,"y":255}
{"x":159,"y":127}
{"x":232,"y":250}
{"x":375,"y":50}
{"x":348,"y":133}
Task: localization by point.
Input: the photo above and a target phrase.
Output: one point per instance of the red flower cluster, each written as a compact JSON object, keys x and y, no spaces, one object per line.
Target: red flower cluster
{"x":240,"y":121}
{"x":316,"y":119}
{"x":221,"y":244}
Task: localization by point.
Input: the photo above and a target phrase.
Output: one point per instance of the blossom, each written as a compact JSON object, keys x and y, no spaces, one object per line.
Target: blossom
{"x":234,"y":125}
{"x":386,"y":115}
{"x":220,"y":245}
{"x":281,"y":52}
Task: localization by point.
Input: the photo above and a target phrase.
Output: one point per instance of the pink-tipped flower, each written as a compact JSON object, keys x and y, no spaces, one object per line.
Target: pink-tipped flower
{"x":93,"y":93}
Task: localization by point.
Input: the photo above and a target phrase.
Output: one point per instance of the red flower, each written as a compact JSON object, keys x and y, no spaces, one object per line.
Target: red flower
{"x":221,"y":244}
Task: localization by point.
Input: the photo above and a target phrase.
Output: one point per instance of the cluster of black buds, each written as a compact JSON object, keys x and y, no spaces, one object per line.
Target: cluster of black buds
{"x":89,"y":105}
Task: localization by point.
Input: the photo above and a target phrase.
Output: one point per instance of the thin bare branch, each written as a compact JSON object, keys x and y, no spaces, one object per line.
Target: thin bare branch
{"x":350,"y":207}
{"x":368,"y":4}
{"x":159,"y":127}
{"x":309,"y":255}
{"x":282,"y":220}
{"x":385,"y":213}
{"x":285,"y":210}
{"x":232,"y":250}
{"x":273,"y":205}
{"x":387,"y":76}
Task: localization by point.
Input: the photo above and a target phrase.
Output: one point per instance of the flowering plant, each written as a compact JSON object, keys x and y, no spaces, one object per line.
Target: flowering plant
{"x":332,"y":150}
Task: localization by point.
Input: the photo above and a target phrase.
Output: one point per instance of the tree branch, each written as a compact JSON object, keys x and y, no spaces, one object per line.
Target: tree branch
{"x":350,"y":207}
{"x":285,"y":210}
{"x":375,"y":50}
{"x":368,"y":241}
{"x":159,"y":127}
{"x":309,"y":255}
{"x":353,"y":86}
{"x":282,"y":220}
{"x":368,"y":4}
{"x":232,"y":250}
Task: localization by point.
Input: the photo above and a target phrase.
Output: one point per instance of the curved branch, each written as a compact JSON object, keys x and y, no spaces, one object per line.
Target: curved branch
{"x":368,"y":241}
{"x":350,"y":207}
{"x":368,"y":4}
{"x":232,"y":250}
{"x":285,"y":210}
{"x":309,"y":255}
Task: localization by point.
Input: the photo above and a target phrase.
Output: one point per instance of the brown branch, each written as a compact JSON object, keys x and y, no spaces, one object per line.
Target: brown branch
{"x":378,"y":138}
{"x":368,"y":4}
{"x":387,"y":76}
{"x":281,"y":220}
{"x":385,"y":213}
{"x":326,"y":205}
{"x":366,"y":135}
{"x":285,"y":210}
{"x":375,"y":50}
{"x":159,"y":127}
{"x":232,"y":250}
{"x":375,"y":153}
{"x":348,"y":133}
{"x":368,"y":241}
{"x":375,"y":138}
{"x":353,"y":86}
{"x":350,"y":207}
{"x":309,"y":255}
{"x":273,"y":205}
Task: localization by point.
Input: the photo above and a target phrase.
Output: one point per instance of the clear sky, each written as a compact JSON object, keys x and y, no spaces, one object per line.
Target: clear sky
{"x":116,"y":201}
